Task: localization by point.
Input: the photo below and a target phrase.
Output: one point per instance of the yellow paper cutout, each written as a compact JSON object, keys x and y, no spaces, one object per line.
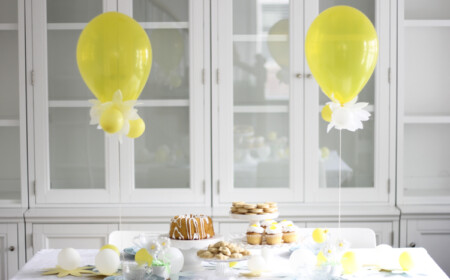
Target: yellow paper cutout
{"x":62,"y":272}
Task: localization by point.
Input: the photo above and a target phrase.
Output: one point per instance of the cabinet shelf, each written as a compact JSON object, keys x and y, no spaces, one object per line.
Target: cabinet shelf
{"x":426,"y":119}
{"x":259,"y":38}
{"x":145,"y":25}
{"x":426,"y":23}
{"x":261,"y":109}
{"x":141,"y":103}
{"x":4,"y":123}
{"x":8,"y":26}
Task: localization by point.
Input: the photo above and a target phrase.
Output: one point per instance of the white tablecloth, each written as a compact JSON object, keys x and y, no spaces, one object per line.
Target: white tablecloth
{"x":425,"y":267}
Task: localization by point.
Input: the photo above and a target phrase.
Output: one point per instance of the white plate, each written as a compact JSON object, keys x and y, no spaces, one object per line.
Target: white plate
{"x":193,"y":244}
{"x":255,"y":217}
{"x":245,"y":258}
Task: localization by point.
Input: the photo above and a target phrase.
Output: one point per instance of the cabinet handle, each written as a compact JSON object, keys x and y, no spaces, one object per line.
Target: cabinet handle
{"x":298,"y":75}
{"x":308,"y":76}
{"x":12,"y":248}
{"x":412,"y":244}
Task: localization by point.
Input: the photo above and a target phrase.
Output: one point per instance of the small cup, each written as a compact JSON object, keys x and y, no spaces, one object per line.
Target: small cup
{"x":133,"y":271}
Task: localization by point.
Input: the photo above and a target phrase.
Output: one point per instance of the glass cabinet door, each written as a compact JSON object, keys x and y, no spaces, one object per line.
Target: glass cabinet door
{"x":72,"y":157}
{"x":424,"y":117}
{"x":12,"y":104}
{"x":259,"y":100}
{"x":165,"y":164}
{"x":362,"y":150}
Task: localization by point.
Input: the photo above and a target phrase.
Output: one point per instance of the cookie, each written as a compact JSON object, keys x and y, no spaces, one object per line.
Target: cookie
{"x":236,"y":256}
{"x":256,"y":211}
{"x":249,"y":206}
{"x":242,"y":211}
{"x":271,"y":210}
{"x":238,"y":203}
{"x":262,"y":205}
{"x":206,"y":255}
{"x":221,"y":257}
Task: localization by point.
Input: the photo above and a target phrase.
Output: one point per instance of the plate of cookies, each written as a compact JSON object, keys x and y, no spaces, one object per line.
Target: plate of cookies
{"x":254,"y":211}
{"x":223,"y":251}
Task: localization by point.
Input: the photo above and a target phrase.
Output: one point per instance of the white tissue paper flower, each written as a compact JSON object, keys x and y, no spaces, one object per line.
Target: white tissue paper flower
{"x":348,"y":116}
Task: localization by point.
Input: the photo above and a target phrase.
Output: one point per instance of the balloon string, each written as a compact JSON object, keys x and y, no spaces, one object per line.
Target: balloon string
{"x":339,"y":182}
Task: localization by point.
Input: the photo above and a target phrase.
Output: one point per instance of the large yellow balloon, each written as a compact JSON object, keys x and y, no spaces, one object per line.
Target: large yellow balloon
{"x":341,"y":49}
{"x":113,"y":53}
{"x":279,"y":49}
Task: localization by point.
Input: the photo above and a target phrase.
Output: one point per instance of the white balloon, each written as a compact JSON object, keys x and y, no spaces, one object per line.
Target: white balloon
{"x":107,"y":261}
{"x":302,"y":258}
{"x":385,"y":256}
{"x":175,"y":257}
{"x":69,"y":259}
{"x":257,"y":264}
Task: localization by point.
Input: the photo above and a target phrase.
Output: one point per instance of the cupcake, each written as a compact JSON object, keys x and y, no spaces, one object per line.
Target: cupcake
{"x":267,"y":223}
{"x":255,"y":234}
{"x":274,"y":235}
{"x":290,"y":233}
{"x":285,"y":222}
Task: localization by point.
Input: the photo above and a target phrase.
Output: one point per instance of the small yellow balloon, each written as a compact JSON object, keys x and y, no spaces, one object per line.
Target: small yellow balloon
{"x":321,"y":259}
{"x":143,"y":257}
{"x":111,"y":120}
{"x":349,"y":263}
{"x":137,"y":127}
{"x":318,"y":235}
{"x":406,"y":261}
{"x":112,"y":247}
{"x":326,"y":113}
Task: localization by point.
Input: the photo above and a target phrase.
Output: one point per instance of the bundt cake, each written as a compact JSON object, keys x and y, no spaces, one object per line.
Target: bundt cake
{"x":191,"y":227}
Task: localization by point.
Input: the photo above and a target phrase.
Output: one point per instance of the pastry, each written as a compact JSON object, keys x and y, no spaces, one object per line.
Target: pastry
{"x":255,"y":234}
{"x":290,"y":233}
{"x":223,"y":251}
{"x":191,"y":227}
{"x":274,"y":235}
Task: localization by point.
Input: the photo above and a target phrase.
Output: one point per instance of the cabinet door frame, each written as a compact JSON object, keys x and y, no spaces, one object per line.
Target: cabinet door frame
{"x":223,"y":113}
{"x":199,"y":191}
{"x":10,"y":235}
{"x":380,"y":191}
{"x":40,"y":125}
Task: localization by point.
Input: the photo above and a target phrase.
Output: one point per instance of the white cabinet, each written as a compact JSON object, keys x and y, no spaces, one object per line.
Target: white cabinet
{"x":9,"y":248}
{"x":269,"y":142}
{"x":423,"y":114}
{"x":432,"y":234}
{"x":78,"y":236}
{"x":78,"y":164}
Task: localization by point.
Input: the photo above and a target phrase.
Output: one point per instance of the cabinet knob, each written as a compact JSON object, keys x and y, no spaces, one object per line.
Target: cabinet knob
{"x":412,"y":244}
{"x":12,"y":248}
{"x":308,"y":76}
{"x":299,"y":75}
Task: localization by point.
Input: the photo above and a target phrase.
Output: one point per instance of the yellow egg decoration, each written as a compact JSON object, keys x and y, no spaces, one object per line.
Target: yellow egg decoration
{"x":321,"y":259}
{"x":112,"y":247}
{"x":143,"y":256}
{"x":137,"y":128}
{"x":326,"y":113}
{"x":406,"y":261}
{"x":349,"y":263}
{"x":111,"y":120}
{"x":318,"y":235}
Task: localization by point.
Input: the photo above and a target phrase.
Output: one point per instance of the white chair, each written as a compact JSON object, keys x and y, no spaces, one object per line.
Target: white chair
{"x":124,"y":239}
{"x":358,"y":237}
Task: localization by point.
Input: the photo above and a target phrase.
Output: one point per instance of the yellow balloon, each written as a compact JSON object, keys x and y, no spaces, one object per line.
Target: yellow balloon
{"x":137,"y":127}
{"x":349,"y":263}
{"x":111,"y":120}
{"x":321,"y":259}
{"x":279,"y":49}
{"x":326,"y":113}
{"x":406,"y":262}
{"x":113,"y":53}
{"x":143,"y":256}
{"x":112,"y":247}
{"x":341,"y":49}
{"x":318,"y":235}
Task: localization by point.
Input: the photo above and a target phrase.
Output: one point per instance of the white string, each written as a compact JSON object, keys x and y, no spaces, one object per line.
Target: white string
{"x":339,"y":182}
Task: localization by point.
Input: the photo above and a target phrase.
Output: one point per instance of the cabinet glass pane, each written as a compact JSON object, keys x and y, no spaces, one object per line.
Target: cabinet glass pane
{"x":427,"y":9}
{"x":426,"y":160}
{"x":8,"y":11}
{"x":169,"y":76}
{"x":64,"y":79}
{"x":261,"y":150}
{"x":9,"y":75}
{"x":9,"y":163}
{"x":357,"y":159}
{"x":70,"y":11}
{"x":161,"y":10}
{"x":426,"y":71}
{"x":162,"y":157}
{"x":260,"y":56}
{"x":77,"y":156}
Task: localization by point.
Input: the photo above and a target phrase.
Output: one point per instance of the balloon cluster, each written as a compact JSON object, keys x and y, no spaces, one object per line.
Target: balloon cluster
{"x":342,"y":49}
{"x":114,"y":57}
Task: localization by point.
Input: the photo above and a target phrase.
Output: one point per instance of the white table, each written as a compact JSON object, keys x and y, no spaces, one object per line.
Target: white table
{"x":425,"y":268}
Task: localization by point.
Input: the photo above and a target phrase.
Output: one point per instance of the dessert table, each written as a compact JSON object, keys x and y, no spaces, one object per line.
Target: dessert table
{"x":425,"y":267}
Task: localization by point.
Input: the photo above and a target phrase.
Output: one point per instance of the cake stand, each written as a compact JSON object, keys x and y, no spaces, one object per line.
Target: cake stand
{"x":189,"y":249}
{"x":254,"y":218}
